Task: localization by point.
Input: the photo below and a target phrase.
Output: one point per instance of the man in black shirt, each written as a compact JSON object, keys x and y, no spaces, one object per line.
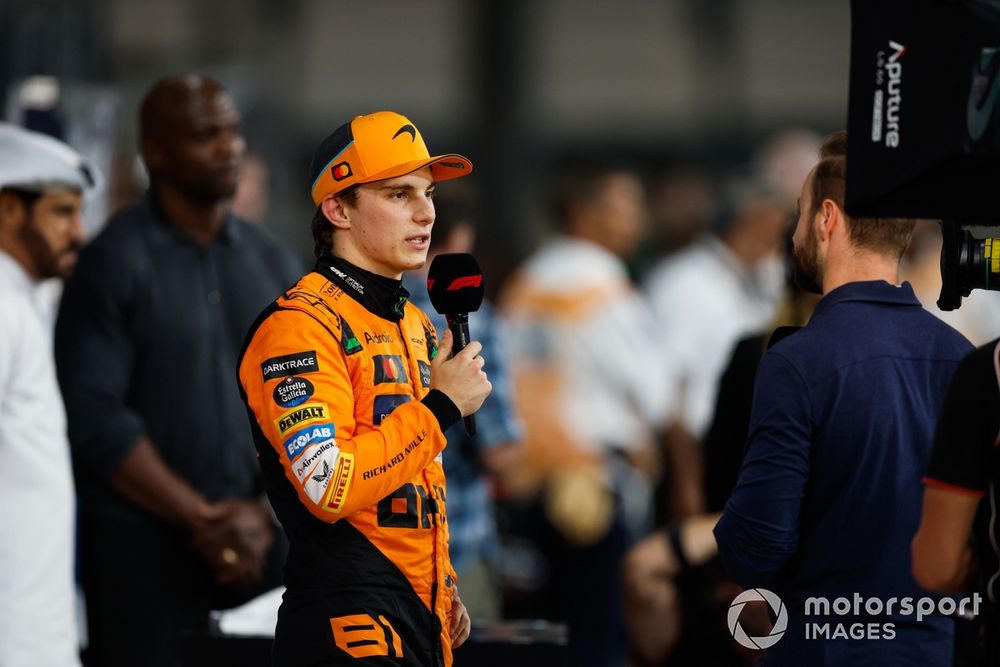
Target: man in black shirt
{"x":955,"y":549}
{"x":172,"y":516}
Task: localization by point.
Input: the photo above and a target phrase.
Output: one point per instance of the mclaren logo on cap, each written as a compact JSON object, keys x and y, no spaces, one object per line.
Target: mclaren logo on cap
{"x":341,"y":170}
{"x":408,"y":129}
{"x":453,"y":165}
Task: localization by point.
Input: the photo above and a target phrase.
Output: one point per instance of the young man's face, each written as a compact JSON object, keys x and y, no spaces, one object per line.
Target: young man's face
{"x":391,"y":223}
{"x":46,"y":236}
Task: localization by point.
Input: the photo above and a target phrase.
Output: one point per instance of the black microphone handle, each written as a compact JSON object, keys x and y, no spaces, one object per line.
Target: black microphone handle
{"x":458,"y":324}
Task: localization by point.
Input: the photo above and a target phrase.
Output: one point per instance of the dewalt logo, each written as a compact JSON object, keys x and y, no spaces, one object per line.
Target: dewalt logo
{"x":307,"y":414}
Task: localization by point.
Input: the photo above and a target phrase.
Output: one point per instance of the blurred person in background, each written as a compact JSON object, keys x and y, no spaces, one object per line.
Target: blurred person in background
{"x":679,"y":559}
{"x":979,"y":317}
{"x":42,"y":183}
{"x":715,"y":291}
{"x":471,"y":464}
{"x":591,"y":388}
{"x":841,"y":426}
{"x":680,"y":201}
{"x":173,"y":517}
{"x":677,"y":596}
{"x":726,"y":284}
{"x":783,"y":161}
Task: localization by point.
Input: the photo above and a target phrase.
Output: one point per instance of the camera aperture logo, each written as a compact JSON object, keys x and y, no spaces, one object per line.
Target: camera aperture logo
{"x":888,"y":95}
{"x":777,"y":608}
{"x":851,"y":618}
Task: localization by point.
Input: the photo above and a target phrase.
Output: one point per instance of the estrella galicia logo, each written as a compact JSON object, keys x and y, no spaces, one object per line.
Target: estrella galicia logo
{"x":385,"y":404}
{"x":981,"y":111}
{"x":777,"y":608}
{"x":298,"y":442}
{"x":389,"y":368}
{"x":289,"y":364}
{"x":425,"y":374}
{"x":348,"y":341}
{"x":293,"y":391}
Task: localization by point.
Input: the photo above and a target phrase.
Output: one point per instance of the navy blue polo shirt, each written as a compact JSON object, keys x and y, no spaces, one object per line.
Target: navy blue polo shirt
{"x":829,"y":493}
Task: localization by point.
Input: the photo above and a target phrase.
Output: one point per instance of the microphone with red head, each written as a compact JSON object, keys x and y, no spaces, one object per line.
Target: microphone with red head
{"x":455,"y":286}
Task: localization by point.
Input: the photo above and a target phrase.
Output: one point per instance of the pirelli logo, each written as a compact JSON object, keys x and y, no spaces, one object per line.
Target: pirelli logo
{"x":303,"y":416}
{"x":341,"y":482}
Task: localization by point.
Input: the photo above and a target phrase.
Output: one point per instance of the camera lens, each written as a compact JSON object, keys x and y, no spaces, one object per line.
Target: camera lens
{"x":967,"y":263}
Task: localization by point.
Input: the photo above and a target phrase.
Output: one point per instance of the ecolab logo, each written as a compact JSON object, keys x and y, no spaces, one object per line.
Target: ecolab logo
{"x":889,"y":75}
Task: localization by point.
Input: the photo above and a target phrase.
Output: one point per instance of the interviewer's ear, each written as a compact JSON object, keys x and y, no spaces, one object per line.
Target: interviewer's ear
{"x":335,"y":211}
{"x":828,"y":218}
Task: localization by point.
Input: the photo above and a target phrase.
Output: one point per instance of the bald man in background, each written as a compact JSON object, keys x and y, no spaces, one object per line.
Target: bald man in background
{"x":173,"y":522}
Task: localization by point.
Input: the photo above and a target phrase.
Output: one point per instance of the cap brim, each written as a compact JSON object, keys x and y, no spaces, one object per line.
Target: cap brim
{"x":443,"y":167}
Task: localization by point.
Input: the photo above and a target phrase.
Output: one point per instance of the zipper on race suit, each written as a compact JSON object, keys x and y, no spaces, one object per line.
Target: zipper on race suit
{"x":436,"y":627}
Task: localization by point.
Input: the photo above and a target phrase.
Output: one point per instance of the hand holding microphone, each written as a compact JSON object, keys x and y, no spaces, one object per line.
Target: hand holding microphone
{"x":460,"y":377}
{"x":455,"y":286}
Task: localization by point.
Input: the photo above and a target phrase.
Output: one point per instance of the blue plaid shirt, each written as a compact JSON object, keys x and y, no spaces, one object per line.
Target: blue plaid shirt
{"x":471,"y":523}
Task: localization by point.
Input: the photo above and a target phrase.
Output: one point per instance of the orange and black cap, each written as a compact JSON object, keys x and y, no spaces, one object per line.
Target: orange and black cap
{"x":373,"y":148}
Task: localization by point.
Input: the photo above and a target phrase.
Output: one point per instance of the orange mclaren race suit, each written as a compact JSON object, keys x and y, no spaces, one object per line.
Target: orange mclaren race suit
{"x":336,"y":375}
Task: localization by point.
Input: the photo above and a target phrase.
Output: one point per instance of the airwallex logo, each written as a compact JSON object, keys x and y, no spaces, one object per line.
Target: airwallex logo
{"x":888,"y":97}
{"x":856,"y":617}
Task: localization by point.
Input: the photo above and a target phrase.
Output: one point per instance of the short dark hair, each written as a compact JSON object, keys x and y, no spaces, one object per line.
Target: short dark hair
{"x":322,"y":230}
{"x":888,"y":236}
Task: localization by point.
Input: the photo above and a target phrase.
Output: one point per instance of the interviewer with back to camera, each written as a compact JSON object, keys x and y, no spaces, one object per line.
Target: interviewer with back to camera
{"x":349,"y":396}
{"x":828,"y":496}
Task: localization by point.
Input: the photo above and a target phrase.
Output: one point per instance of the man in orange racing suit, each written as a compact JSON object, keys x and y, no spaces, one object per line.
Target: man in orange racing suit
{"x":349,"y":396}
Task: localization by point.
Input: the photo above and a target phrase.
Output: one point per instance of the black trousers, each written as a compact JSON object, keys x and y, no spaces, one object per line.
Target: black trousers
{"x":147,"y":591}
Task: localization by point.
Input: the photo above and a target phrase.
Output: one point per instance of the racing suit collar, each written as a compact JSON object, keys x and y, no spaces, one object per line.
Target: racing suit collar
{"x":381,"y":296}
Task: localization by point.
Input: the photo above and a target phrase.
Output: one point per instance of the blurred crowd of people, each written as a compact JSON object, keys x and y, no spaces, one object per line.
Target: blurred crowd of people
{"x":622,"y":354}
